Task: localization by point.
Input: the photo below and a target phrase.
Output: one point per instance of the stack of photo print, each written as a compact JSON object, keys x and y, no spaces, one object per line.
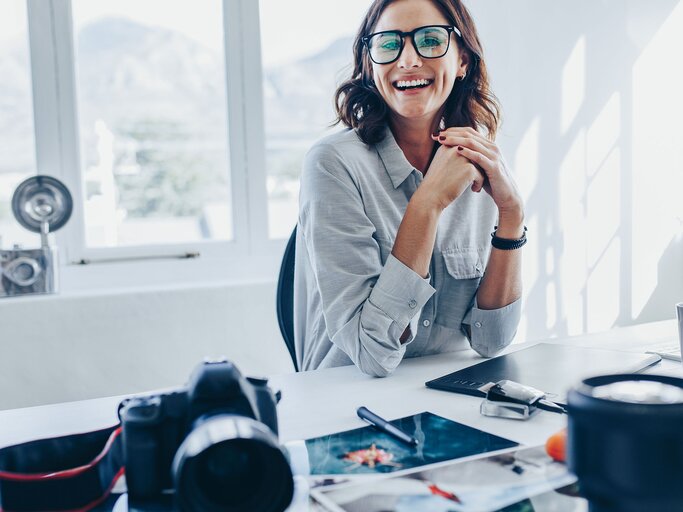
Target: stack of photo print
{"x":454,"y":468}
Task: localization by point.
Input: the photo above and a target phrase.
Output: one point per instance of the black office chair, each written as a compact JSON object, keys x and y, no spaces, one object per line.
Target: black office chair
{"x":285,"y":297}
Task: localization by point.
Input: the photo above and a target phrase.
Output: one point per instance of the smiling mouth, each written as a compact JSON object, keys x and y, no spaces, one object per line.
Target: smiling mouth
{"x":404,"y":85}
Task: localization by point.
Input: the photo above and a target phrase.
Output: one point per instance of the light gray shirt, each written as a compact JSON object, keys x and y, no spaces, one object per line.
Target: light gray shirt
{"x":352,"y":298}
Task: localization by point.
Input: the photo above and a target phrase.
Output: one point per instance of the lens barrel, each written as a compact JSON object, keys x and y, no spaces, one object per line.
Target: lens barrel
{"x":232,"y":463}
{"x":625,"y":442}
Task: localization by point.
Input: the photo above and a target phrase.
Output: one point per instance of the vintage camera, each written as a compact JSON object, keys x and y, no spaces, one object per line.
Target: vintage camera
{"x":41,"y":204}
{"x":27,"y":271}
{"x":214,"y":443}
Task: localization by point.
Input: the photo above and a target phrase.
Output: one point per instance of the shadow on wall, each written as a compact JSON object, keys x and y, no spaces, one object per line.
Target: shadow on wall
{"x":571,"y":87}
{"x":669,"y":289}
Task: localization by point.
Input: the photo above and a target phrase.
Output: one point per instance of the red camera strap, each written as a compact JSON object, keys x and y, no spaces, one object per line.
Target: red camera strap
{"x":72,"y":473}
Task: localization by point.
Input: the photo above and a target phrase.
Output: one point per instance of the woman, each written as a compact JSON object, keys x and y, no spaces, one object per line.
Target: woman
{"x":394,"y":252}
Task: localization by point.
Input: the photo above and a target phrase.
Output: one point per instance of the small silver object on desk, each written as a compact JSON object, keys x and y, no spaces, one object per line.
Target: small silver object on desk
{"x":509,"y":399}
{"x":41,"y":204}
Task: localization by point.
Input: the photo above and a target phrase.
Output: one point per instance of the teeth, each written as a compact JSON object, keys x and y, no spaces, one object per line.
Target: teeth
{"x":402,"y":84}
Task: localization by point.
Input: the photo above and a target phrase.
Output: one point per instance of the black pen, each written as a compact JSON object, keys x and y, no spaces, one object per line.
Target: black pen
{"x":365,"y":414}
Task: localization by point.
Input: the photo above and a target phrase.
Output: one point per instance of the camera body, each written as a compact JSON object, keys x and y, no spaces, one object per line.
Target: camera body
{"x":27,"y":271}
{"x":157,"y":429}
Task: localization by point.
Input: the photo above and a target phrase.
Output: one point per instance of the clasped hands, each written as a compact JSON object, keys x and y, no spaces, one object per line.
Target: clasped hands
{"x":467,"y":158}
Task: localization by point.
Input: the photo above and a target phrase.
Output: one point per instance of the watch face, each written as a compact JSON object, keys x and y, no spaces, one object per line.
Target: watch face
{"x":42,"y":199}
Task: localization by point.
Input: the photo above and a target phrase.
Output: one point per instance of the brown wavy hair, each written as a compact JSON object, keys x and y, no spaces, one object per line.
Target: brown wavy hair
{"x":359,"y":105}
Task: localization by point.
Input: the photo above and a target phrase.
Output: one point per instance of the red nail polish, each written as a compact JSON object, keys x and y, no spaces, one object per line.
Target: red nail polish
{"x":441,"y":137}
{"x":459,"y":148}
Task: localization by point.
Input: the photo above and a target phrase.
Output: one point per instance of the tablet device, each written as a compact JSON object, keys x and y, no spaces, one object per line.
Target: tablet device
{"x":551,"y":368}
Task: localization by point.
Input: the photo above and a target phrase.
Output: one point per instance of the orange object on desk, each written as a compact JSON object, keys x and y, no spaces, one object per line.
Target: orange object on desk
{"x":556,"y":446}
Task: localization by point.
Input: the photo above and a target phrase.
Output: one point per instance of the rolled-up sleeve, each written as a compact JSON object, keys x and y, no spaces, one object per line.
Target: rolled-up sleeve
{"x":491,"y":330}
{"x":367,"y":303}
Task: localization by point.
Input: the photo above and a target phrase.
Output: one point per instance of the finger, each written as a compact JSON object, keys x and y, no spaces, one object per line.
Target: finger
{"x":475,"y":145}
{"x":479,"y":181}
{"x":477,"y":186}
{"x":461,"y":138}
{"x":464,"y":131}
{"x":478,"y":158}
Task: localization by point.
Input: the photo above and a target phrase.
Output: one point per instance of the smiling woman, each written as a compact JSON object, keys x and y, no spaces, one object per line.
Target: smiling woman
{"x":472,"y":104}
{"x":394,"y":256}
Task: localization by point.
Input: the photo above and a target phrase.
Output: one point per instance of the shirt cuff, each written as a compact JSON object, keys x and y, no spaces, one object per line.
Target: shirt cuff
{"x":494,"y":329}
{"x":400,"y":292}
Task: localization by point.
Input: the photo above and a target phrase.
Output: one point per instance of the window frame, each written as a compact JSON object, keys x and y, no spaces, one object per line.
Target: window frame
{"x":250,"y":255}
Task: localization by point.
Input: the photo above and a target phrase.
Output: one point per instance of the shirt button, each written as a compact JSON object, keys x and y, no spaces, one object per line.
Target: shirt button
{"x":412,"y":304}
{"x":477,"y":324}
{"x":426,"y":323}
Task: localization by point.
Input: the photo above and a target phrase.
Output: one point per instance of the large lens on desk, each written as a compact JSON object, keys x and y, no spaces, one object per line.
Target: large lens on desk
{"x":234,"y":464}
{"x":625,"y":442}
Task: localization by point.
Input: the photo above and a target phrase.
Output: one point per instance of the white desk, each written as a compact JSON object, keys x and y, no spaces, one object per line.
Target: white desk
{"x":322,"y":402}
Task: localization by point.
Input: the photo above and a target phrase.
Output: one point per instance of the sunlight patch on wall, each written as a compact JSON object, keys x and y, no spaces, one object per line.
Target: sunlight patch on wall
{"x":573,"y":84}
{"x":572,"y":261}
{"x":530,"y":273}
{"x":657,"y":183}
{"x":603,"y":208}
{"x":603,"y":134}
{"x":551,"y":305}
{"x":526,"y":160}
{"x":602,"y":290}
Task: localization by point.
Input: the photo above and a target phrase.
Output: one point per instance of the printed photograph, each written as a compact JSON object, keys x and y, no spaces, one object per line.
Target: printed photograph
{"x":503,"y":482}
{"x":369,"y":451}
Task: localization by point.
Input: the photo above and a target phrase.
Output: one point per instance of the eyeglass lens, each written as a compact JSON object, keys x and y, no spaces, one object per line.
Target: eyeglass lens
{"x":430,"y":42}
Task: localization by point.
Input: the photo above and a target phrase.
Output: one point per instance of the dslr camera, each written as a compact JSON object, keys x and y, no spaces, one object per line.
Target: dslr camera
{"x":41,"y":204}
{"x":214,"y":443}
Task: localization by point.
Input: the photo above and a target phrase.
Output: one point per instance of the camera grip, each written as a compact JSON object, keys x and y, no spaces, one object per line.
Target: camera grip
{"x":140,"y":419}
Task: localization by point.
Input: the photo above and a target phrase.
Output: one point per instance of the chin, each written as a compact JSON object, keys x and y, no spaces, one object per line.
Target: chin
{"x":416,"y":110}
{"x":414,"y":113}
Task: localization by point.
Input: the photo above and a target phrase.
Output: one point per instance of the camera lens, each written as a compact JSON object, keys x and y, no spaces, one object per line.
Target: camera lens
{"x":229,"y":471}
{"x":232,"y":463}
{"x":25,"y":272}
{"x":22,"y":271}
{"x":624,"y":442}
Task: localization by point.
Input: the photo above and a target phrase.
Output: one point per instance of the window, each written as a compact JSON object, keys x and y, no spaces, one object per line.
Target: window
{"x":17,"y":150}
{"x":152,"y":113}
{"x":152,"y":118}
{"x":299,"y":80}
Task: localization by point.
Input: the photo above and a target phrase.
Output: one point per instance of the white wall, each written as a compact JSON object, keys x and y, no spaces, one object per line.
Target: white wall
{"x":72,"y":347}
{"x":592,"y":106}
{"x":592,"y":129}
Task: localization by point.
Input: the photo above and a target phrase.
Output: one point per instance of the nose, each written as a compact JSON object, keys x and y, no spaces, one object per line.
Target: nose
{"x":409,"y":57}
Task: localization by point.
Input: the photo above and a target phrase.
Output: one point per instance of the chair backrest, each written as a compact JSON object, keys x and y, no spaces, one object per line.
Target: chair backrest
{"x":285,"y":297}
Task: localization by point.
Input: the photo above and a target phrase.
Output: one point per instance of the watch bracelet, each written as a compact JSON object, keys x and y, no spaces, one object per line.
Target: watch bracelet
{"x":508,"y":244}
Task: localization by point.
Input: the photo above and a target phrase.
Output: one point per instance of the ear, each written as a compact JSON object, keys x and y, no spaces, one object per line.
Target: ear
{"x":463,"y":62}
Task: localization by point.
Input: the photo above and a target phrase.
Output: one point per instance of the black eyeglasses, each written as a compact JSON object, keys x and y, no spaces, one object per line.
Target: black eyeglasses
{"x":430,"y":42}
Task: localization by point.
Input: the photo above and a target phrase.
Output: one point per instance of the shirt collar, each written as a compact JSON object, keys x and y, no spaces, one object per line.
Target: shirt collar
{"x":395,"y":162}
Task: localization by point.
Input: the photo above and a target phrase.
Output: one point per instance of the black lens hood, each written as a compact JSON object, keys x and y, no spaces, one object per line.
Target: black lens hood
{"x":628,"y":456}
{"x":273,"y":482}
